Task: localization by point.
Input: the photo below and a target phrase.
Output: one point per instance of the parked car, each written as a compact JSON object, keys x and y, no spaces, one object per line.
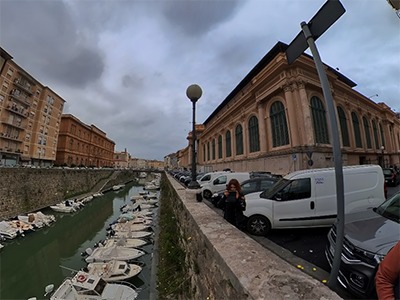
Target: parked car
{"x":255,"y":174}
{"x":368,"y":237}
{"x":248,"y":186}
{"x":307,"y":198}
{"x":392,"y":177}
{"x":219,"y":182}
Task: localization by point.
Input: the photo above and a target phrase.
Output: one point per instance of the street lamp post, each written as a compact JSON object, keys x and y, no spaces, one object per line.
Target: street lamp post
{"x":383,"y":156}
{"x":194,"y":92}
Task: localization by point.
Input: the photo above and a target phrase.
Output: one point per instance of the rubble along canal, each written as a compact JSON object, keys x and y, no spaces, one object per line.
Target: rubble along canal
{"x":28,"y":264}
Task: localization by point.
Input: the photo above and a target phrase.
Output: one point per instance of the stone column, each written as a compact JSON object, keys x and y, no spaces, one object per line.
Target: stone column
{"x":262,"y":127}
{"x":291,"y":116}
{"x":306,"y":128}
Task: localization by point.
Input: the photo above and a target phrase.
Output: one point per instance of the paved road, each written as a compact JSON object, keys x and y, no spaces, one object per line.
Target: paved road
{"x":304,"y":248}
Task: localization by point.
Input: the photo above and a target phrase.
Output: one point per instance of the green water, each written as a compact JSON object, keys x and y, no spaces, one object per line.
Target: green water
{"x":28,"y":264}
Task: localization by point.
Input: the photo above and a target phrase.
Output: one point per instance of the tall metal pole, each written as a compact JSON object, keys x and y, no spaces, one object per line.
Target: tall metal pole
{"x":194,"y":143}
{"x":337,"y":155}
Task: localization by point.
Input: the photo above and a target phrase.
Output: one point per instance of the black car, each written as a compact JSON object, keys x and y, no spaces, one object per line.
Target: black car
{"x":248,"y":186}
{"x":392,"y":177}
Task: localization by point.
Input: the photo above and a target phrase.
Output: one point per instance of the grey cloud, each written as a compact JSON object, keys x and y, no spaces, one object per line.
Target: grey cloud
{"x":196,"y":18}
{"x":131,"y":81}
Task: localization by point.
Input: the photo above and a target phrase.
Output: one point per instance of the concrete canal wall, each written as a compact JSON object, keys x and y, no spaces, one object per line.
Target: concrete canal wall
{"x":26,"y":190}
{"x":224,"y":263}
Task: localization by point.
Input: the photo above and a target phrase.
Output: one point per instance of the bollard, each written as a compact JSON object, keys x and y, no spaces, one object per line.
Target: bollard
{"x":199,"y":198}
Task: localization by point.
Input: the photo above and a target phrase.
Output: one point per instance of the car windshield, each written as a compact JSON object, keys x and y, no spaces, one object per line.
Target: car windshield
{"x":387,"y":172}
{"x":276,"y":187}
{"x":390,"y":209}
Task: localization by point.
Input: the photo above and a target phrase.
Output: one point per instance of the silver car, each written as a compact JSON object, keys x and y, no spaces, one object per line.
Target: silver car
{"x":368,"y":237}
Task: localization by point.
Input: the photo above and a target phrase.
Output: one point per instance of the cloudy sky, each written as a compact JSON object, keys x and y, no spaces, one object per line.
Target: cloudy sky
{"x":124,"y":66}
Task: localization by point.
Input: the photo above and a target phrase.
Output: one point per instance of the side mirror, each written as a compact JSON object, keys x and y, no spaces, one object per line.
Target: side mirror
{"x":278,"y":196}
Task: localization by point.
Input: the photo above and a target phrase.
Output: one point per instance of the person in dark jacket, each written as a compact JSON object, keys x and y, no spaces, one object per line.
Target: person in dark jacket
{"x":235,"y":204}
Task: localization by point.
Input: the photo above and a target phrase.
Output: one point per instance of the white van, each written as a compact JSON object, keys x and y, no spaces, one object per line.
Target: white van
{"x":219,"y":182}
{"x":307,"y":198}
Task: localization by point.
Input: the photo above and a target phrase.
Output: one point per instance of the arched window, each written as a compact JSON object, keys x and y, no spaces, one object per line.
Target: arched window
{"x":356,"y":128}
{"x":239,"y":139}
{"x":220,"y":146}
{"x":208,"y":151}
{"x":319,"y":119}
{"x":375,"y":130}
{"x":367,"y":133}
{"x":382,"y":135}
{"x":213,"y":149}
{"x":254,"y":137}
{"x":343,"y":127}
{"x":228,"y":146}
{"x":204,"y":152}
{"x":280,"y":135}
{"x":70,"y":143}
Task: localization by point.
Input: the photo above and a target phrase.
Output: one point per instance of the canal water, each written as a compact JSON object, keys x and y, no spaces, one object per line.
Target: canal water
{"x":28,"y":264}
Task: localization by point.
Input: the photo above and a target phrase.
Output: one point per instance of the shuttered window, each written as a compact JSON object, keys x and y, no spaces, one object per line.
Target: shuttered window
{"x":279,"y":128}
{"x":228,"y":147}
{"x":239,"y":139}
{"x":367,"y":133}
{"x":356,"y":128}
{"x":319,"y":120}
{"x":343,"y":127}
{"x":254,"y":137}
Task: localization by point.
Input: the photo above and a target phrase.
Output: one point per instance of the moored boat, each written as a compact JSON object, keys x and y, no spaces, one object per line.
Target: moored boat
{"x":7,"y":231}
{"x":113,"y":270}
{"x":123,"y":242}
{"x":115,"y":252}
{"x":85,"y":286}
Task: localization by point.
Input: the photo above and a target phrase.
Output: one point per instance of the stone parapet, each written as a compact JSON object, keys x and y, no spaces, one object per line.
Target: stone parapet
{"x":225,"y":263}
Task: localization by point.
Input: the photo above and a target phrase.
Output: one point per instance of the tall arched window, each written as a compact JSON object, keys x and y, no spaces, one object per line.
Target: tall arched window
{"x":213,"y":149}
{"x":356,"y":128}
{"x":208,"y":151}
{"x":280,"y":134}
{"x":375,"y":130}
{"x":382,"y":135}
{"x":319,"y":119}
{"x":343,"y":127}
{"x":239,"y":139}
{"x":254,"y":137}
{"x":367,"y":133}
{"x":204,"y":152}
{"x":228,"y":144}
{"x":220,"y":146}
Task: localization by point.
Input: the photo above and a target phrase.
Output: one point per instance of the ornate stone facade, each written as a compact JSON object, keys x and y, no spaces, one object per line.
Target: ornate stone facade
{"x":276,"y":120}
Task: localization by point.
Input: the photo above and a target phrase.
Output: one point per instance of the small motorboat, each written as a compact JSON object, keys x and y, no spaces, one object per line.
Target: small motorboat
{"x":131,"y":235}
{"x":85,"y":286}
{"x":114,"y":252}
{"x":66,"y":207}
{"x":7,"y":231}
{"x":38,"y":219}
{"x":129,"y":226}
{"x":123,"y":242}
{"x":114,"y":270}
{"x":21,"y":226}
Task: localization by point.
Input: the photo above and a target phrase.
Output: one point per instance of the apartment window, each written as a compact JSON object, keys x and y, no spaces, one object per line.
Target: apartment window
{"x":41,"y":129}
{"x":367,"y":133}
{"x":35,"y":103}
{"x":50,"y":100}
{"x":319,"y":120}
{"x":77,"y":146}
{"x":5,"y":86}
{"x":239,"y":139}
{"x":45,"y":109}
{"x":254,"y":137}
{"x":71,"y":142}
{"x":50,"y":110}
{"x":61,"y":106}
{"x":279,"y":128}
{"x":30,"y":124}
{"x":26,"y":149}
{"x":1,"y":98}
{"x":18,"y":122}
{"x":10,"y":72}
{"x":54,"y":142}
{"x":28,"y":136}
{"x":343,"y":127}
{"x":57,"y":124}
{"x":220,"y":146}
{"x":38,"y":92}
{"x":32,"y":115}
{"x":40,"y":140}
{"x":356,"y":128}
{"x":79,"y":133}
{"x":53,"y":153}
{"x":48,"y":121}
{"x":44,"y":141}
{"x":228,"y":147}
{"x":46,"y":130}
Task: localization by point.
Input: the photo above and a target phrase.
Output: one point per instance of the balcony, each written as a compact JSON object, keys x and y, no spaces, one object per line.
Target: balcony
{"x":10,"y":136}
{"x":19,"y":98}
{"x":23,"y":85}
{"x":14,"y":123}
{"x":11,"y":150}
{"x":16,"y":111}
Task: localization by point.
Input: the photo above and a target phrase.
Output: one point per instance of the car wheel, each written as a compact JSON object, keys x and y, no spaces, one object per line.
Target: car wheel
{"x":258,"y":225}
{"x":207,"y":194}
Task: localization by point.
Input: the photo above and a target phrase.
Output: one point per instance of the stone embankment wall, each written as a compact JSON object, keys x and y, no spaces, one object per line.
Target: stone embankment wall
{"x":26,"y":190}
{"x":224,"y":263}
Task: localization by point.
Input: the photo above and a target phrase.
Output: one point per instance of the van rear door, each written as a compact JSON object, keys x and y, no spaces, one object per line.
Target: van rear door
{"x":294,"y":205}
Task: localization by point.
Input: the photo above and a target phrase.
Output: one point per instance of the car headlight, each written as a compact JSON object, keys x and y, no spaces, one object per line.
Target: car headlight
{"x":215,"y":195}
{"x":379,"y":257}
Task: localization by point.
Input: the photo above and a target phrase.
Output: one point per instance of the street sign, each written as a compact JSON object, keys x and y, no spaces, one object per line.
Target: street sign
{"x":294,"y":156}
{"x":322,"y":20}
